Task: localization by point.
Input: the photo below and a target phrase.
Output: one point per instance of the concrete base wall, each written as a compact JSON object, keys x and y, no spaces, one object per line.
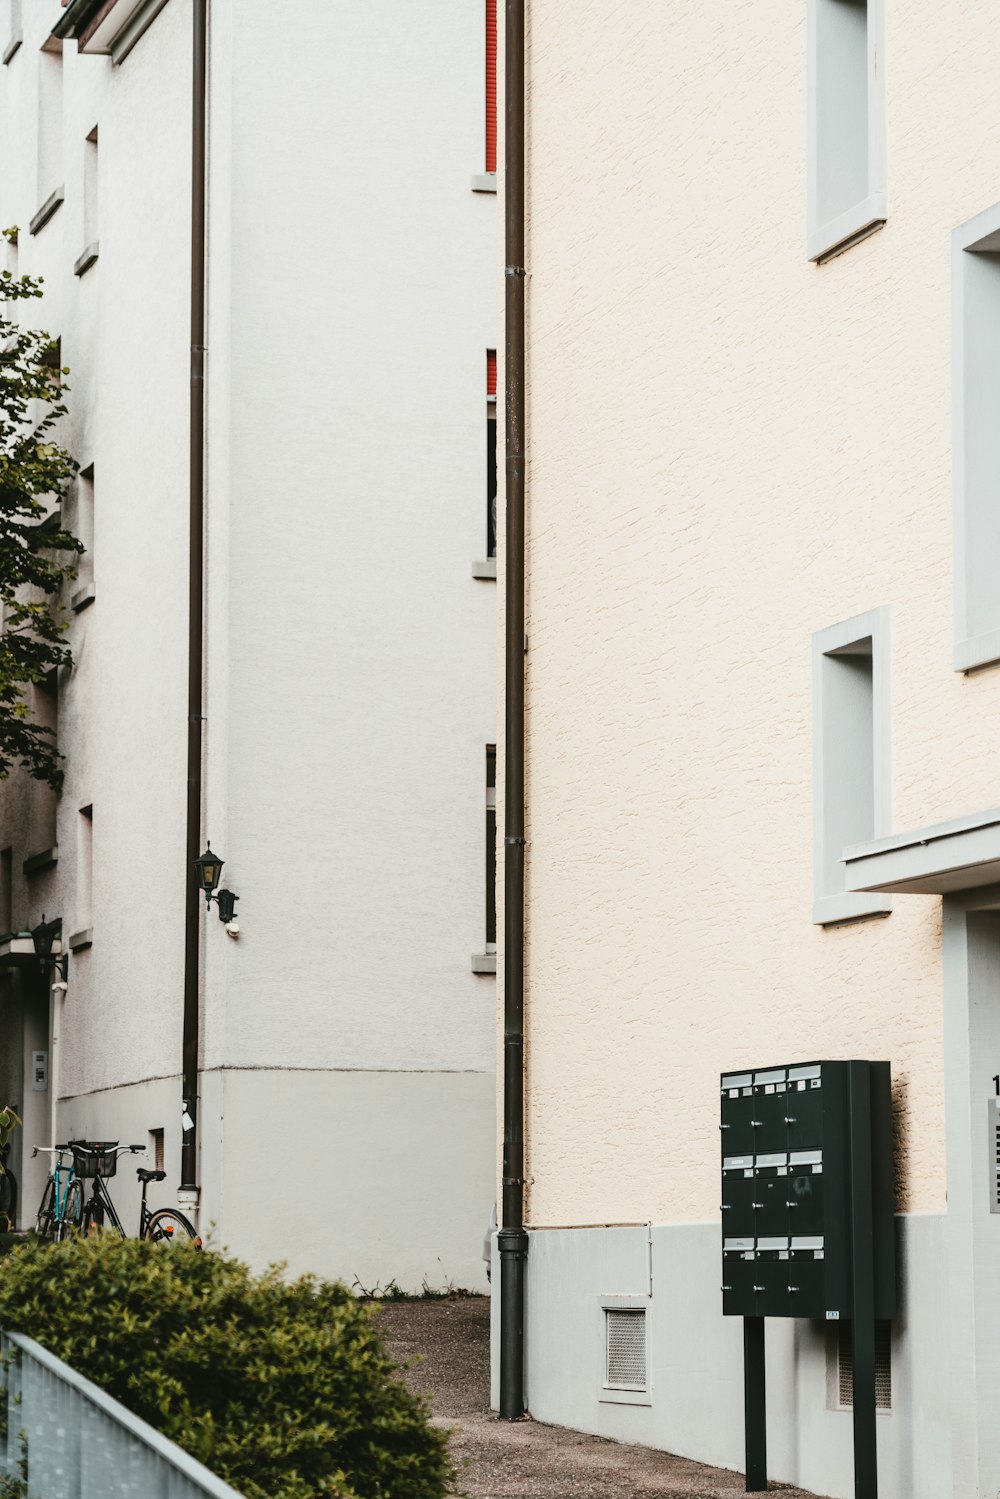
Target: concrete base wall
{"x":695,"y":1359}
{"x":367,"y":1176}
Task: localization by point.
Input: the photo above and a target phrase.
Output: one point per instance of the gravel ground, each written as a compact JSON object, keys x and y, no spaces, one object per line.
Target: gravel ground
{"x":445,"y":1348}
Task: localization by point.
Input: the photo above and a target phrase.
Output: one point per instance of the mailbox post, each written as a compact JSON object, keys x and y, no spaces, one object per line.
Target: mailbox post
{"x":807,"y":1224}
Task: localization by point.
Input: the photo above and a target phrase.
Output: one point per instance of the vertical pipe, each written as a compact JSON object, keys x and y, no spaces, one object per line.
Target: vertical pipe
{"x":512,"y":1239}
{"x":192,"y":923}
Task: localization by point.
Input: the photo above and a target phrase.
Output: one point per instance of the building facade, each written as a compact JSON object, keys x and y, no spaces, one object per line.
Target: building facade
{"x":346,"y":1070}
{"x":762,"y":697}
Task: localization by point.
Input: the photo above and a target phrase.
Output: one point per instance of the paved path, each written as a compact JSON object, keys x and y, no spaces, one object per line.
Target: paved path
{"x":446,"y":1345}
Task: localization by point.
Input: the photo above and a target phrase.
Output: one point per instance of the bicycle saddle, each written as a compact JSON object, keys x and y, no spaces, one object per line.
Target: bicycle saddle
{"x":150,"y":1176}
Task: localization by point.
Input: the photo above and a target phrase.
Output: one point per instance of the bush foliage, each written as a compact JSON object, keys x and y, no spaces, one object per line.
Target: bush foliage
{"x":283,"y":1389}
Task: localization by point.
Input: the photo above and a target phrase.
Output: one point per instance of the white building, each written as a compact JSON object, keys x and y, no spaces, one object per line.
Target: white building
{"x":346,"y":1067}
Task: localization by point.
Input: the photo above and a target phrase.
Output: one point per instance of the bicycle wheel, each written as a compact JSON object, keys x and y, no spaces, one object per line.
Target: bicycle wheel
{"x":166,"y":1226}
{"x":69,"y":1223}
{"x":45,"y":1218}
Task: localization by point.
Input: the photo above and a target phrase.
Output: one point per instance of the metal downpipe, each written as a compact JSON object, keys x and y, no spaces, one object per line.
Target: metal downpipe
{"x":512,"y":1239}
{"x":196,"y":552}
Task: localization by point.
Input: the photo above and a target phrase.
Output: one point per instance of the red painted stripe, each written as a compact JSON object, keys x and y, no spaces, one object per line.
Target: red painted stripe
{"x":491,"y":372}
{"x":491,"y":85}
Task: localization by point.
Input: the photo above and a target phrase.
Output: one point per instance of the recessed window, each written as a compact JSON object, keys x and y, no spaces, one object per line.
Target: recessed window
{"x":85,"y":868}
{"x":491,"y":86}
{"x":6,"y":890}
{"x":84,"y":530}
{"x":44,"y":799}
{"x":850,"y":757}
{"x":50,"y":123}
{"x":491,"y":453}
{"x":91,"y":229}
{"x":846,"y":120}
{"x":12,"y":35}
{"x":491,"y":848}
{"x":976,"y":438}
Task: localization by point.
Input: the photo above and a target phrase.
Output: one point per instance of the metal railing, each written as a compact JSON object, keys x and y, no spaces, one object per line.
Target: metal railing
{"x":63,"y":1438}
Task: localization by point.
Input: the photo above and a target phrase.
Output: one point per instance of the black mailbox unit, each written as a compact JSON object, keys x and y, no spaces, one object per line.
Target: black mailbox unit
{"x":807,"y":1220}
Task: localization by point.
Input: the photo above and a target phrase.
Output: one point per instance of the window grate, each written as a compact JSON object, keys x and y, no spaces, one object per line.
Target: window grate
{"x":626,"y":1348}
{"x":883,"y":1367}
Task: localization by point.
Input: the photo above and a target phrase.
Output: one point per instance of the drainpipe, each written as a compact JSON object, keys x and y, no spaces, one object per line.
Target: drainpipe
{"x":193,"y":920}
{"x":512,"y":1239}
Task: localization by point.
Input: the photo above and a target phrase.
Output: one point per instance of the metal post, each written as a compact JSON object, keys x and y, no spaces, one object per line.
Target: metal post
{"x":862,"y":1281}
{"x":754,"y":1405}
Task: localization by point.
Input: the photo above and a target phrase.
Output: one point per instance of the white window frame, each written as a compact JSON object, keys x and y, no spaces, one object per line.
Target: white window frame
{"x":825,"y":239}
{"x":979,"y":235}
{"x":844,"y":905}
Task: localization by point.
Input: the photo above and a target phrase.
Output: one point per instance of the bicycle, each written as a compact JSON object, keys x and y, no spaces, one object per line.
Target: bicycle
{"x":97,"y":1161}
{"x":61,"y":1207}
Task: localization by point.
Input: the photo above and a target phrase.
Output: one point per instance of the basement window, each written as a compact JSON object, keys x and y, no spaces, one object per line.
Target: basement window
{"x":976,"y":467}
{"x":883,"y":1367}
{"x":846,"y":124}
{"x":850,"y":758}
{"x":624,"y":1350}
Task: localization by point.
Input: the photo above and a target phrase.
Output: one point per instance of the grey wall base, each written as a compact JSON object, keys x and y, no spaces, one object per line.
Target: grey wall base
{"x":695,"y":1359}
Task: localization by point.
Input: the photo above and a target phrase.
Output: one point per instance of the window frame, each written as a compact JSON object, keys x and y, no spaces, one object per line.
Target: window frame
{"x":832,"y":907}
{"x":830,"y":237}
{"x":978,"y":235}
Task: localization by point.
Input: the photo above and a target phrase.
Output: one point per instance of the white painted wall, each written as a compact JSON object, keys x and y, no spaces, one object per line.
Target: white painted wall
{"x":349,"y":652}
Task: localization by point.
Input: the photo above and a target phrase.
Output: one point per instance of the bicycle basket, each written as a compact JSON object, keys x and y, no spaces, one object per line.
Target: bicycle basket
{"x":94,"y":1158}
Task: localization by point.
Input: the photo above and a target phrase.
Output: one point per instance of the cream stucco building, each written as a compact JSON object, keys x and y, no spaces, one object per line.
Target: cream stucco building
{"x":762,"y":690}
{"x":345,"y":1062}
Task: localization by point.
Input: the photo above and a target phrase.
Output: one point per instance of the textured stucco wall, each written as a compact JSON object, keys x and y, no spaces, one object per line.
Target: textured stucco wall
{"x":730,"y":448}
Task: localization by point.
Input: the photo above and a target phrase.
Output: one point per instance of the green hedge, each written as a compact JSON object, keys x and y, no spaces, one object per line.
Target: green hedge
{"x":283,"y":1389}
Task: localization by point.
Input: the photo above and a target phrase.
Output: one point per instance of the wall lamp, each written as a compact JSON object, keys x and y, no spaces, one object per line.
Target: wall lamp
{"x":43,"y":937}
{"x":209,"y":868}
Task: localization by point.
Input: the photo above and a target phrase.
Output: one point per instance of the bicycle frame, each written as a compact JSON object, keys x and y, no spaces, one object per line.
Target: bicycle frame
{"x":102,"y":1197}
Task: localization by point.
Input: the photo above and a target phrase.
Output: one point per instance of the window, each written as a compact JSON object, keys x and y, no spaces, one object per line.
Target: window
{"x":84,"y":530}
{"x":156,"y":1148}
{"x":491,"y":453}
{"x":491,"y":86}
{"x":850,"y":757}
{"x":43,"y":798}
{"x":491,"y":848}
{"x":90,"y":204}
{"x":85,"y":868}
{"x":6,"y":890}
{"x":50,"y":118}
{"x":846,"y":124}
{"x":976,"y":440}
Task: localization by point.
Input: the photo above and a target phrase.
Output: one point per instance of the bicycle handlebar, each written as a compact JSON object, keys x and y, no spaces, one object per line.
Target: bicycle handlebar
{"x":64,"y":1149}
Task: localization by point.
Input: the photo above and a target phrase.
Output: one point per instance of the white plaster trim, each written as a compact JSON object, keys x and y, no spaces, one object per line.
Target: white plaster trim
{"x":122,"y":27}
{"x":484,"y":182}
{"x":484,"y":962}
{"x":487,"y":568}
{"x":847,"y":229}
{"x":935,"y":860}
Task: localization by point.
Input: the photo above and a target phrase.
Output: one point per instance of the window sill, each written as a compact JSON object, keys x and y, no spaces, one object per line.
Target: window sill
{"x":978,"y":650}
{"x":37,"y":862}
{"x":83,"y":598}
{"x":485,"y":569}
{"x":832,"y":910}
{"x":12,"y":46}
{"x":610,"y":1395}
{"x":48,"y":208}
{"x":89,"y":257}
{"x":80,"y":941}
{"x":484,"y":182}
{"x":484,"y":962}
{"x":847,"y":229}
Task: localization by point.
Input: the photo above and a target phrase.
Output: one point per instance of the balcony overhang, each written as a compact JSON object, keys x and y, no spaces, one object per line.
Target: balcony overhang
{"x":17,"y":950}
{"x":940,"y":859}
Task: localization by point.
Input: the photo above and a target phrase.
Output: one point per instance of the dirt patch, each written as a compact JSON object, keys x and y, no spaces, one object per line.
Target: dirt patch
{"x":445,"y":1346}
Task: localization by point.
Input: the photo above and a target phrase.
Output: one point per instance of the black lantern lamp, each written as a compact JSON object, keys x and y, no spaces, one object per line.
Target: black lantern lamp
{"x":44,"y":937}
{"x":209,"y":868}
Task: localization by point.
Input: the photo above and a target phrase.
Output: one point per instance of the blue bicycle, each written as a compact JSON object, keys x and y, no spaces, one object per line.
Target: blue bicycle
{"x":60,"y":1211}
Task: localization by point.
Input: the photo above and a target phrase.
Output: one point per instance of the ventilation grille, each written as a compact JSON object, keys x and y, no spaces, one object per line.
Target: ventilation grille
{"x":626,"y":1344}
{"x":883,"y":1367}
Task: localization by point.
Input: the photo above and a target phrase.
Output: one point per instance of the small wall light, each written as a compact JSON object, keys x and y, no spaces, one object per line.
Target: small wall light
{"x":209,"y":868}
